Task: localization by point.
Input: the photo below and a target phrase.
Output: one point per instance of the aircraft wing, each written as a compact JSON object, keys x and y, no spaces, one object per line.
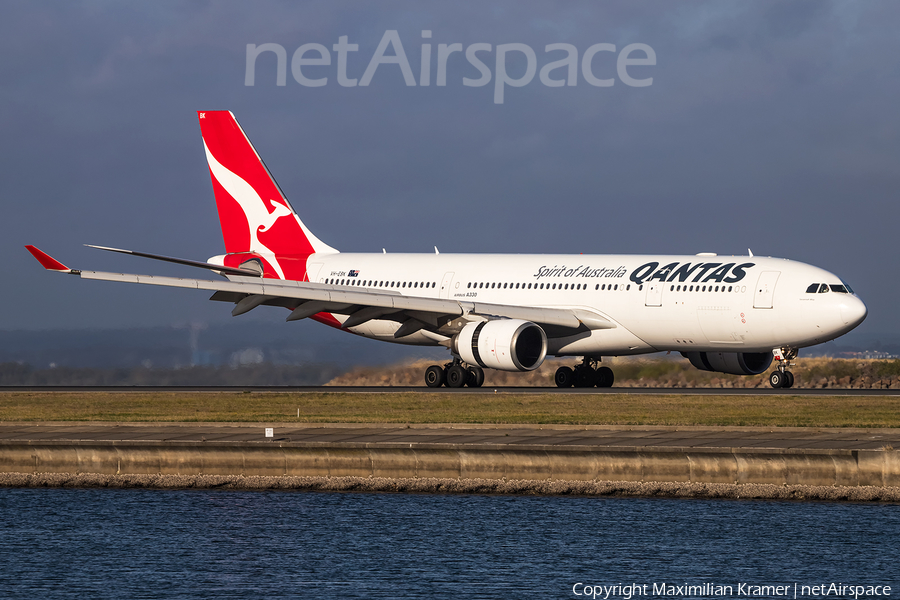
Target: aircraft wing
{"x":306,"y":299}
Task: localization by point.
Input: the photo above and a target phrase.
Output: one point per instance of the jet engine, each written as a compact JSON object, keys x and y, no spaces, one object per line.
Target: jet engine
{"x":504,"y":344}
{"x":736,"y":363}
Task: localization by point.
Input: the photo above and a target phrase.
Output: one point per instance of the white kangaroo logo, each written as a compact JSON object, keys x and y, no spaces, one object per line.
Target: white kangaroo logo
{"x":258,"y":216}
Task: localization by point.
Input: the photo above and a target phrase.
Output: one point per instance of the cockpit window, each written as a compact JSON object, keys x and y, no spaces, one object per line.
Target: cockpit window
{"x":822,"y":288}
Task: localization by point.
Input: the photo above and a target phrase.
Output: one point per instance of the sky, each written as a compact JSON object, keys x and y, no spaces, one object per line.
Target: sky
{"x":769,"y":126}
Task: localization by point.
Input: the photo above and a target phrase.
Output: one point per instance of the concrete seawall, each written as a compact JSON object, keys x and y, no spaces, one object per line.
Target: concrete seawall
{"x":818,"y":467}
{"x":849,"y":464}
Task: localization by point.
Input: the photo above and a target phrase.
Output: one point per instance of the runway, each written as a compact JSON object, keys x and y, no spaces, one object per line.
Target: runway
{"x":462,"y":435}
{"x":823,"y":392}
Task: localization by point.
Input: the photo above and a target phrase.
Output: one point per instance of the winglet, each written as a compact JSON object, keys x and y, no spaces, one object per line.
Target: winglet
{"x":47,"y":261}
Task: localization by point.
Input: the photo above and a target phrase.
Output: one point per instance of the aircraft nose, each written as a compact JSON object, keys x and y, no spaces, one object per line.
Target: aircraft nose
{"x":853,"y":311}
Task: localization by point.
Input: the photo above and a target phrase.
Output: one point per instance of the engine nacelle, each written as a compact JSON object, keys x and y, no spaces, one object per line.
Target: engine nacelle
{"x":504,"y":344}
{"x":736,"y":363}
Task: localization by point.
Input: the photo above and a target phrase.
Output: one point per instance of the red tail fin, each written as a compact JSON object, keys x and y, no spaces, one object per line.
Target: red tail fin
{"x":257,"y":220}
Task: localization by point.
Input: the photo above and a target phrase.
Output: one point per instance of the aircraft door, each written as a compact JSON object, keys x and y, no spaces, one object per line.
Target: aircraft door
{"x":445,"y":284}
{"x":654,"y":293}
{"x":312,"y":272}
{"x":765,"y":289}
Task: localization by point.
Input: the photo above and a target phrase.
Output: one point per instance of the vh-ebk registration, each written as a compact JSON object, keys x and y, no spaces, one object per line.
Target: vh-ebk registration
{"x":734,"y":314}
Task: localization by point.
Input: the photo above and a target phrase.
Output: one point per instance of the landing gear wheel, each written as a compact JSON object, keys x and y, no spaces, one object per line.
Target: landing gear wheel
{"x":476,"y":377}
{"x":435,"y":376}
{"x":789,"y":380}
{"x":585,"y":377}
{"x":456,"y":376}
{"x":605,"y":377}
{"x":777,"y":379}
{"x":565,"y":377}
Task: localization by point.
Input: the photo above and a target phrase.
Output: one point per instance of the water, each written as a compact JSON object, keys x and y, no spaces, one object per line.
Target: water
{"x":65,"y":543}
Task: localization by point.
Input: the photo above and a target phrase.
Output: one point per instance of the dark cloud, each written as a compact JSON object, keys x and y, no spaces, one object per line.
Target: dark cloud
{"x":769,"y":125}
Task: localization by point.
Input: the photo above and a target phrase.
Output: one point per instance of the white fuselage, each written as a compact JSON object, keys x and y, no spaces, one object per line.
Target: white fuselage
{"x":657,"y":303}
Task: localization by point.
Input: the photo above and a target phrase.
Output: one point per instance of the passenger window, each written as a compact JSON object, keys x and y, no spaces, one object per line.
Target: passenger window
{"x":812,"y":289}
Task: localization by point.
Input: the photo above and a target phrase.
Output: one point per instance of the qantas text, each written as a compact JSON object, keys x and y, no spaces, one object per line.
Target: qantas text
{"x":698,"y":272}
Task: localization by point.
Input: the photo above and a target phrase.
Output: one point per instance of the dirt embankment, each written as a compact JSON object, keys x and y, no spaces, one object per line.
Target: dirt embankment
{"x":457,"y":486}
{"x":660,"y":372}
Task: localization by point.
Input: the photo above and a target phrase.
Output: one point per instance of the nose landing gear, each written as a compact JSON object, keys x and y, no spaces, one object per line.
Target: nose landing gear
{"x":782,"y":378}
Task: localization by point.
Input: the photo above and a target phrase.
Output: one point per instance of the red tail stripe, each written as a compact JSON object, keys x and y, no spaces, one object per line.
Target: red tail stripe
{"x":47,"y":261}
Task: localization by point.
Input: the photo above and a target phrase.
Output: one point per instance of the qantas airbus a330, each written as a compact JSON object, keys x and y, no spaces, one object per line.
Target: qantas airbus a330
{"x":729,"y":314}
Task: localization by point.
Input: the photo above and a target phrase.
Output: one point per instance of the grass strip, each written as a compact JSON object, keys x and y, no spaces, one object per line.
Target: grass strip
{"x":415,"y":407}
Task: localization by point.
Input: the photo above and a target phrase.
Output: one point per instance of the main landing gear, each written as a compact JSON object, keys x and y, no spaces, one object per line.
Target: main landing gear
{"x":587,"y":374}
{"x":782,"y":378}
{"x":454,"y":374}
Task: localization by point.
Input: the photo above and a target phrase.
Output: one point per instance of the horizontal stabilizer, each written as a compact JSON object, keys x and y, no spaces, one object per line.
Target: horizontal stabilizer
{"x":182,"y":261}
